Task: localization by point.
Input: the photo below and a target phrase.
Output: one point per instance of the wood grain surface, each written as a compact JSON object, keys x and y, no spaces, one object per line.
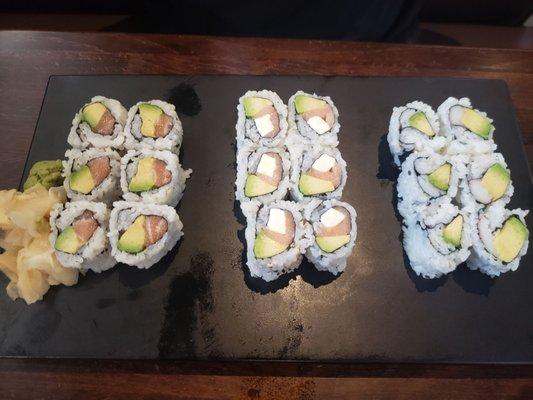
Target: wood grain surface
{"x":27,"y":59}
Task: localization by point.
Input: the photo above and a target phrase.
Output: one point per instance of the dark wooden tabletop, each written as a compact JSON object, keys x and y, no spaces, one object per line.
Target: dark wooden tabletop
{"x":27,"y":59}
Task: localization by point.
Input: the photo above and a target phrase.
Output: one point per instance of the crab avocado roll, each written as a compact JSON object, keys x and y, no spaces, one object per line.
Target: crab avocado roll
{"x":334,"y":232}
{"x":99,"y":123}
{"x":262,"y":174}
{"x":470,"y":129}
{"x":414,"y":126}
{"x":262,"y":119}
{"x":315,"y":118}
{"x":428,"y":176}
{"x":488,"y":180}
{"x":319,"y":172}
{"x":438,"y":240}
{"x":78,"y":235}
{"x":152,"y":176}
{"x":153,"y":124}
{"x":276,"y":237}
{"x":500,"y":238}
{"x":141,"y":234}
{"x":92,"y":174}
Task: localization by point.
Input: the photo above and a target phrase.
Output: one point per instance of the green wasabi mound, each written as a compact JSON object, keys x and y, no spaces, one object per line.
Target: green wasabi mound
{"x":46,"y":172}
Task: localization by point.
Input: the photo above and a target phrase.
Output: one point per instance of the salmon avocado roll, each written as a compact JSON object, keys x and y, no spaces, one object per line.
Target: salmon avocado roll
{"x":92,"y":174}
{"x":141,"y":234}
{"x":99,"y":123}
{"x":262,"y":119}
{"x":152,"y":176}
{"x":78,"y":235}
{"x":154,"y":124}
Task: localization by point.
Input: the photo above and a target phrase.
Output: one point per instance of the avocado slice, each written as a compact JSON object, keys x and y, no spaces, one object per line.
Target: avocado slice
{"x":252,"y":105}
{"x":304,"y":103}
{"x":476,"y":123}
{"x":496,"y":180}
{"x":440,"y":178}
{"x":149,"y":116}
{"x":133,"y":239}
{"x":309,"y":185}
{"x":144,"y":179}
{"x":329,"y":244}
{"x":509,"y":240}
{"x":265,"y":247}
{"x":419,"y":121}
{"x":255,"y":186}
{"x":68,"y":241}
{"x":81,"y":180}
{"x":92,"y":113}
{"x":452,"y":232}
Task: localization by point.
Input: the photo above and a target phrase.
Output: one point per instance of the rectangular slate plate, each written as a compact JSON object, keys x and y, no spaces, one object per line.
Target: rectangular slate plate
{"x":199,"y":302}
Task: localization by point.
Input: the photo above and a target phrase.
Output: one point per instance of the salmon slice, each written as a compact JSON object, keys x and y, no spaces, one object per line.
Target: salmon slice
{"x":274,"y":119}
{"x":342,"y":228}
{"x":286,"y":238}
{"x":278,"y":172}
{"x":326,"y":113}
{"x":333,"y":175}
{"x":100,"y":168}
{"x":161,"y":173}
{"x":163,"y":125}
{"x":155,"y":227}
{"x":84,"y":226}
{"x":106,"y":124}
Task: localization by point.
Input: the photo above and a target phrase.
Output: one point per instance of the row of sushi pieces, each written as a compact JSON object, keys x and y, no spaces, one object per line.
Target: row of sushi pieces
{"x":453,"y":189}
{"x":297,"y":158}
{"x":120,"y":154}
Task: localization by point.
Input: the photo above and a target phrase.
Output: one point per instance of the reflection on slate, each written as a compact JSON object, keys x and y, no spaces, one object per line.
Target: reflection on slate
{"x":199,"y":302}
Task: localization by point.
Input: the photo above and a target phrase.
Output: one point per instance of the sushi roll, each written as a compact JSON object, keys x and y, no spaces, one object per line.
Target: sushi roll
{"x":314,"y":119}
{"x":428,"y":176}
{"x":153,"y":177}
{"x":99,"y":123}
{"x":92,"y":174}
{"x":262,"y":174}
{"x":500,"y":238}
{"x":141,"y":234}
{"x":471,"y":130}
{"x":318,"y":172}
{"x":276,"y":238}
{"x":438,"y":240}
{"x":153,"y":124}
{"x":414,"y":126}
{"x":78,"y":235}
{"x":488,"y":180}
{"x":333,"y":232}
{"x":262,"y":119}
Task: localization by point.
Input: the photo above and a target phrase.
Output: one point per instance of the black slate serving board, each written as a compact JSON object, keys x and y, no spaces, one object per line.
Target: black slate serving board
{"x":199,"y":302}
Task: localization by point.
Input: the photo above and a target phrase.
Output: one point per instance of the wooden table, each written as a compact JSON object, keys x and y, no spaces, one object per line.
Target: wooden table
{"x":26,"y":61}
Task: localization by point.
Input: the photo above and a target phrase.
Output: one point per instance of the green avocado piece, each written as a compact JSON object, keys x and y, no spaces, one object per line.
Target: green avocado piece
{"x":46,"y":172}
{"x":477,"y":123}
{"x":331,"y":243}
{"x":144,"y":179}
{"x":68,"y":241}
{"x":304,"y":103}
{"x":496,"y":180}
{"x":265,"y":247}
{"x":149,"y":116}
{"x":440,"y":178}
{"x":255,"y":186}
{"x":309,"y":185}
{"x":81,"y":180}
{"x":419,"y":121}
{"x":133,"y":239}
{"x":92,"y":113}
{"x":452,"y":232}
{"x":509,"y":240}
{"x":252,"y":105}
